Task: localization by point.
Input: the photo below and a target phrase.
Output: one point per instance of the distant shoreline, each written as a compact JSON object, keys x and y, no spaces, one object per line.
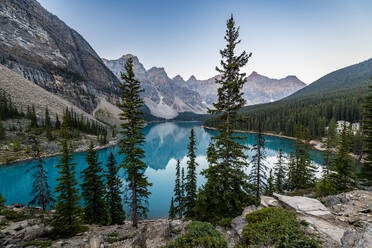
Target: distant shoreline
{"x":316,"y":147}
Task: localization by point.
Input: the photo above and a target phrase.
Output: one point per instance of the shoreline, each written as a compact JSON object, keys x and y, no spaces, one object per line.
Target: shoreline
{"x":111,"y":143}
{"x":316,"y":147}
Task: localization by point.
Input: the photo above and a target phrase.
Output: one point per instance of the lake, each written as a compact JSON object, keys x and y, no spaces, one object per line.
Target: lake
{"x":165,"y":144}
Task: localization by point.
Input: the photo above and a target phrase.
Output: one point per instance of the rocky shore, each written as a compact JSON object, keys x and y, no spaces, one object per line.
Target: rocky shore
{"x":343,"y":220}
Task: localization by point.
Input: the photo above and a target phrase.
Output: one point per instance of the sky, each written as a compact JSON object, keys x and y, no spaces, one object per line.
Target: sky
{"x":306,"y":38}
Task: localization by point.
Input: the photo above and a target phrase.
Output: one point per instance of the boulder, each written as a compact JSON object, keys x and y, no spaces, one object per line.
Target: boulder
{"x":95,"y":241}
{"x":238,"y":223}
{"x":361,"y":239}
{"x":303,"y":205}
{"x":267,"y":201}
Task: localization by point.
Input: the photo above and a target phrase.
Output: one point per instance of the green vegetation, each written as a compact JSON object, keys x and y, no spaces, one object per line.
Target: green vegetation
{"x":41,"y":191}
{"x":41,"y":244}
{"x":93,"y":190}
{"x":131,"y":142}
{"x":172,"y":210}
{"x":280,"y":170}
{"x":257,"y":176}
{"x":178,"y":193}
{"x":199,"y":234}
{"x":113,"y":199}
{"x":7,"y":108}
{"x":275,"y":227}
{"x":13,"y":215}
{"x":226,"y":191}
{"x":114,"y":239}
{"x":366,"y":170}
{"x":190,"y":183}
{"x":67,"y":218}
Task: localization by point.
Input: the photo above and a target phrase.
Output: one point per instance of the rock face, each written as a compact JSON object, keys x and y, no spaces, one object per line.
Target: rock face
{"x":167,"y":97}
{"x":162,"y":95}
{"x":43,"y":49}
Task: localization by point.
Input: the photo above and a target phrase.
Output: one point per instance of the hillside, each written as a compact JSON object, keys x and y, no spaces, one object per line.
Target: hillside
{"x":338,"y":95}
{"x":24,"y":92}
{"x":43,"y":49}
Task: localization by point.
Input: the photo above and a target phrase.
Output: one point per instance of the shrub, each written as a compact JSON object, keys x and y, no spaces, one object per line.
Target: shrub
{"x":41,"y":244}
{"x":13,"y":215}
{"x":2,"y":202}
{"x":199,"y":234}
{"x":275,"y":227}
{"x":325,"y":187}
{"x":225,"y":222}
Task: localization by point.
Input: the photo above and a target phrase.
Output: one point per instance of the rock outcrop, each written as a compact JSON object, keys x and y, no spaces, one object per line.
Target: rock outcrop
{"x":43,"y":49}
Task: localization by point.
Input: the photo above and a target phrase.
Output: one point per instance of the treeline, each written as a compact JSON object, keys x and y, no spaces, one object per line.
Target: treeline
{"x":313,"y":113}
{"x":7,"y":108}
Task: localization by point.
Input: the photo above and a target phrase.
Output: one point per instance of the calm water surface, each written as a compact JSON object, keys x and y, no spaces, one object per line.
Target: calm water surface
{"x":165,"y":144}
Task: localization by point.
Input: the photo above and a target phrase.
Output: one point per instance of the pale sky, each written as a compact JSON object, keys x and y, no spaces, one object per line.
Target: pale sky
{"x":306,"y":38}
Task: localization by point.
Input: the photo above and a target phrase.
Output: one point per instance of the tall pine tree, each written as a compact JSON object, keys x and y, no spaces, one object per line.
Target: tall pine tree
{"x":67,"y":218}
{"x":178,"y":197}
{"x":113,"y":198}
{"x":280,"y":171}
{"x":41,"y":191}
{"x":366,"y":170}
{"x":343,"y":178}
{"x":258,"y":175}
{"x":131,"y":143}
{"x":172,"y":210}
{"x":226,"y":191}
{"x":190,"y":184}
{"x":93,"y":190}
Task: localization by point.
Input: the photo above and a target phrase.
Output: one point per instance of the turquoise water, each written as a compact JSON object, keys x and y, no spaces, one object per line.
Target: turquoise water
{"x":165,"y":144}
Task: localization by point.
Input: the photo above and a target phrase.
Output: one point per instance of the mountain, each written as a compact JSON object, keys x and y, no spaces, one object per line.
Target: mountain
{"x":168,"y":98}
{"x":43,"y":49}
{"x":163,"y":97}
{"x":338,"y":95}
{"x":26,"y":93}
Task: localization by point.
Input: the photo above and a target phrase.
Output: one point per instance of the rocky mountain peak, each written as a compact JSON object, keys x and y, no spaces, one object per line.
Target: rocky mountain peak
{"x":192,"y":78}
{"x":178,"y":78}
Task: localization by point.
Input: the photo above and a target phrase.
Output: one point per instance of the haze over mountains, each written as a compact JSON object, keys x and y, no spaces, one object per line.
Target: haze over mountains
{"x":167,"y":97}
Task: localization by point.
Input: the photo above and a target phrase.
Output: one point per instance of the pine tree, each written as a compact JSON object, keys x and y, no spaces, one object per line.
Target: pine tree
{"x":2,"y":131}
{"x":57,"y":124}
{"x":270,"y":186}
{"x":226,"y":191}
{"x":41,"y":191}
{"x":329,"y":145}
{"x":342,"y":165}
{"x":183,"y":182}
{"x":190,"y":184}
{"x":366,"y":169}
{"x":257,"y":175}
{"x":172,"y":211}
{"x":33,"y":117}
{"x":131,"y":143}
{"x":280,"y":171}
{"x":67,"y":217}
{"x":93,"y":190}
{"x":291,"y":178}
{"x":178,"y":198}
{"x":47,"y":122}
{"x":113,"y":199}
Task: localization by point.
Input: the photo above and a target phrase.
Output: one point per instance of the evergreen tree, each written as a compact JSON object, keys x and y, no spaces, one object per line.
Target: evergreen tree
{"x":183,"y":181}
{"x":41,"y":192}
{"x":270,"y":187}
{"x":33,"y":117}
{"x":57,"y":124}
{"x":257,"y":175}
{"x":172,"y":211}
{"x":226,"y":191}
{"x":303,"y":175}
{"x":280,"y":171}
{"x":131,"y":142}
{"x":366,"y":170}
{"x":342,"y":165}
{"x":329,"y":145}
{"x":67,"y":217}
{"x":113,"y":199}
{"x":178,"y":198}
{"x":47,"y":122}
{"x":2,"y":131}
{"x":93,"y":190}
{"x":190,"y":184}
{"x":291,"y":178}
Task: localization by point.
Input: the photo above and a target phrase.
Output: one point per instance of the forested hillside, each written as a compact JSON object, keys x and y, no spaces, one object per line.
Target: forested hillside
{"x":338,"y":95}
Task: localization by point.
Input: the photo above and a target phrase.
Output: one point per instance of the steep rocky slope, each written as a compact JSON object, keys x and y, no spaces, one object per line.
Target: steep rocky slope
{"x":168,"y":97}
{"x":42,"y":48}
